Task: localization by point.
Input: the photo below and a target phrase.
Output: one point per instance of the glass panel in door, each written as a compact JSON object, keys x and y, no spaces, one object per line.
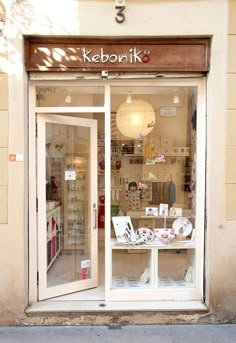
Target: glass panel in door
{"x":67,"y":204}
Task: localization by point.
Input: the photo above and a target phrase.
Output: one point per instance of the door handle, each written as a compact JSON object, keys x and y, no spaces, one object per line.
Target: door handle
{"x":95,"y":215}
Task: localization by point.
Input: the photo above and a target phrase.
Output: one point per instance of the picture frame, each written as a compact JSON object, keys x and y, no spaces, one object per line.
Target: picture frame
{"x":163,"y":210}
{"x":168,"y":111}
{"x":176,"y":212}
{"x":123,"y":229}
{"x":133,"y":185}
{"x":151,"y":211}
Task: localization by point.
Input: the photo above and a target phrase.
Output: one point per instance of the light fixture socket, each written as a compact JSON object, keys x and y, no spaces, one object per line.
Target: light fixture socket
{"x":176,"y":99}
{"x":68,"y":99}
{"x":128,"y":99}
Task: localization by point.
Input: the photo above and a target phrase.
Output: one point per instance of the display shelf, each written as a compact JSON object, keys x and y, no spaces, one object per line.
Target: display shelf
{"x":76,"y":204}
{"x":128,"y":282}
{"x":154,"y":267}
{"x":167,"y":282}
{"x":140,"y":276}
{"x":187,"y":175}
{"x":53,"y":235}
{"x":189,"y":244}
{"x":141,"y":220}
{"x":176,"y":270}
{"x":161,"y":265}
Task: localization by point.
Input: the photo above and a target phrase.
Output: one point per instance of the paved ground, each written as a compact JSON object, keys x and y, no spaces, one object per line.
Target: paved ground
{"x":121,"y":334}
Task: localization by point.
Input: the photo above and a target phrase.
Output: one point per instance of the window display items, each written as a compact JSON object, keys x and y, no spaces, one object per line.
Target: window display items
{"x":182,"y":228}
{"x":136,"y":190}
{"x":176,"y":212}
{"x":152,"y":155}
{"x":133,"y":186}
{"x":101,"y":212}
{"x":144,"y":235}
{"x":130,"y":282}
{"x":101,"y":160}
{"x":166,"y":236}
{"x":134,"y":200}
{"x":115,"y":209}
{"x":144,"y":278}
{"x":123,"y":229}
{"x":151,"y":211}
{"x":52,"y":189}
{"x":141,"y":188}
{"x":133,"y":195}
{"x":135,"y":119}
{"x":163,"y":209}
{"x":171,"y":193}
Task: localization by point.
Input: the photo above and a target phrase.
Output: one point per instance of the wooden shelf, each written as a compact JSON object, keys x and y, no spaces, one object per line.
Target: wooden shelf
{"x":187,"y":244}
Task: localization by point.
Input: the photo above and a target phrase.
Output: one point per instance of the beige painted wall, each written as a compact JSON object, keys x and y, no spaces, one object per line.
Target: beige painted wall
{"x":12,"y":189}
{"x":230,"y":177}
{"x":145,"y":18}
{"x":224,"y":277}
{"x":3,"y":130}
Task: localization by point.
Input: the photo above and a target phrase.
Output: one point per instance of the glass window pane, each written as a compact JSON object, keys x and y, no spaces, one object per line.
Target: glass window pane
{"x":69,"y":96}
{"x":153,"y":173}
{"x":67,"y":196}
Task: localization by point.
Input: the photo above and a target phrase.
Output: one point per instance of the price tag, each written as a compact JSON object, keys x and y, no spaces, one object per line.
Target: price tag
{"x":70,"y":175}
{"x":85,"y":264}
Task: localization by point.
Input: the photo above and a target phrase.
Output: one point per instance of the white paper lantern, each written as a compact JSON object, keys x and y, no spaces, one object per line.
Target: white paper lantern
{"x":135,"y":119}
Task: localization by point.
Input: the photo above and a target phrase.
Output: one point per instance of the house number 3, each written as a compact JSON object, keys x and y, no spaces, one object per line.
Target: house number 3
{"x":120,"y":17}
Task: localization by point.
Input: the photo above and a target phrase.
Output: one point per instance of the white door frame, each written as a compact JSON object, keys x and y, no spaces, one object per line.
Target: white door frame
{"x":69,"y":287}
{"x":198,"y":292}
{"x":33,"y":234}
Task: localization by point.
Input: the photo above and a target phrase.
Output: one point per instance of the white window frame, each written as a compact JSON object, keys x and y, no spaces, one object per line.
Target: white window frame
{"x":200,"y":83}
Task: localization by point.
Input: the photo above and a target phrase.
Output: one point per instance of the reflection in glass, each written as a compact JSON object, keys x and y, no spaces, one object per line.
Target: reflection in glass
{"x":67,"y":189}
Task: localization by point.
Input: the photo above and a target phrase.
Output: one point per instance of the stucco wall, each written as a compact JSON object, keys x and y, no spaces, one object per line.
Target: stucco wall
{"x":230,"y":179}
{"x":224,"y":279}
{"x":143,"y":18}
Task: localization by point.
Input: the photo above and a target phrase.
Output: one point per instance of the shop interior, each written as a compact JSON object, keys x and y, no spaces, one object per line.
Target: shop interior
{"x":152,"y":188}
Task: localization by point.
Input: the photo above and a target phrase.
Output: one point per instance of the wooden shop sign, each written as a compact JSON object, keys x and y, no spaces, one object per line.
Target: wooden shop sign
{"x":150,"y":54}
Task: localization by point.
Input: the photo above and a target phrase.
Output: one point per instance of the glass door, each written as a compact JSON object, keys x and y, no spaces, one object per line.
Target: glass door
{"x":67,"y":204}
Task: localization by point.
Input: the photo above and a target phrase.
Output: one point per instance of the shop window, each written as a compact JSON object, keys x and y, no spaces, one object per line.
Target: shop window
{"x":153,"y":187}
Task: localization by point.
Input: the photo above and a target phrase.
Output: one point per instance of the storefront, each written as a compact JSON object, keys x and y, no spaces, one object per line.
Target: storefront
{"x":104,"y":220}
{"x":119,"y":183}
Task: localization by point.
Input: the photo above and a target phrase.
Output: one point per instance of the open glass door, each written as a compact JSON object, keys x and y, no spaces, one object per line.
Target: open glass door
{"x":67,"y":204}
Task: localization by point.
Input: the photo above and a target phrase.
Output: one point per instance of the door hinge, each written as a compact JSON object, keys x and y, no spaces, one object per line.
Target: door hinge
{"x":36,"y":130}
{"x":37,"y":206}
{"x":37,"y":278}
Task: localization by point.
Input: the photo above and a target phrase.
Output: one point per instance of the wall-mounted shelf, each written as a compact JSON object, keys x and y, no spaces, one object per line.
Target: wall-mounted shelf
{"x":76,"y":206}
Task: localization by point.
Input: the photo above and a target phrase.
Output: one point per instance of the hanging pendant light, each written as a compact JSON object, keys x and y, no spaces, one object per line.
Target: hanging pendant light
{"x":68,"y":99}
{"x":135,"y":119}
{"x":176,"y":99}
